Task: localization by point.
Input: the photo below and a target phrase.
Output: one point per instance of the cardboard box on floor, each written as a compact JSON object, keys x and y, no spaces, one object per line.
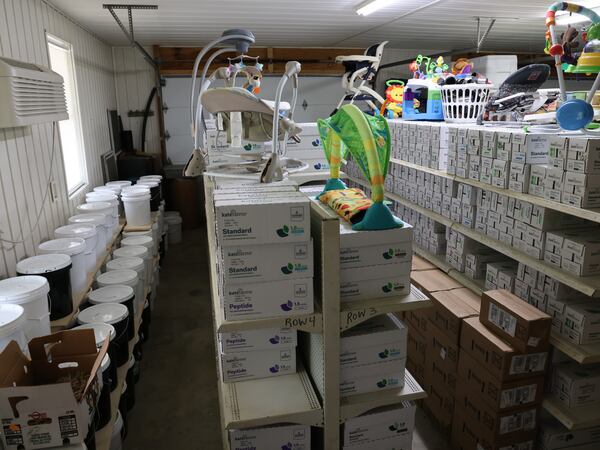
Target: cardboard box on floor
{"x":419,"y":264}
{"x":517,"y":322}
{"x":442,"y":349}
{"x":500,"y":395}
{"x":449,"y":310}
{"x":416,"y":346}
{"x":498,"y":357}
{"x":439,"y":403}
{"x":433,"y":280}
{"x":465,"y":436}
{"x":38,"y":406}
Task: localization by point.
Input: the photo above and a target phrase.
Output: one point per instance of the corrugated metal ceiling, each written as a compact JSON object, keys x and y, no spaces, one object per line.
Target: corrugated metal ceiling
{"x":447,"y":24}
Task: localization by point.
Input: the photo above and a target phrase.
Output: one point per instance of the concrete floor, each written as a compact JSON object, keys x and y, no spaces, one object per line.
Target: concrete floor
{"x":176,"y":399}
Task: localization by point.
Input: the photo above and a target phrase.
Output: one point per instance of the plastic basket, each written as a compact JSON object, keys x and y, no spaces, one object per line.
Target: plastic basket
{"x":463,"y":103}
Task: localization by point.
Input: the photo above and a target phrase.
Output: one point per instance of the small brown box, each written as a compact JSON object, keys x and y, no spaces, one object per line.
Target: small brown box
{"x":430,"y":281}
{"x":449,"y":310}
{"x":498,"y":357}
{"x":441,"y":377}
{"x":469,"y":297}
{"x":417,"y":370}
{"x":520,"y":324}
{"x":442,"y":349}
{"x":502,"y":396}
{"x":419,"y":264}
{"x":416,"y":346}
{"x":439,"y":404}
{"x":419,"y":320}
{"x":466,"y":436}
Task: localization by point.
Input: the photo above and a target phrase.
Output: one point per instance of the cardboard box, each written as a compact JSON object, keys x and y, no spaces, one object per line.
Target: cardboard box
{"x":380,"y":424}
{"x":402,"y":442}
{"x":449,"y":310}
{"x":499,"y":395}
{"x":273,"y":299}
{"x":442,"y":349}
{"x":262,"y":221}
{"x":420,"y":264}
{"x":289,"y":437}
{"x":434,"y":281}
{"x":581,"y":254}
{"x":498,"y":357}
{"x":382,"y":338}
{"x":583,"y":155}
{"x":440,"y":404}
{"x":576,"y":385}
{"x":554,"y":436}
{"x":257,"y":364}
{"x":356,"y":289}
{"x":581,"y":190}
{"x":39,"y":410}
{"x":260,"y":263}
{"x":372,"y":378}
{"x":581,"y":323}
{"x":518,"y":323}
{"x":419,"y":320}
{"x":495,"y":425}
{"x":416,"y":346}
{"x":466,"y":435}
{"x":262,"y":339}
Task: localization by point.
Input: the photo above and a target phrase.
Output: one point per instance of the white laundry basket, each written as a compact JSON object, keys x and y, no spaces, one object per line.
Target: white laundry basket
{"x":463,"y":103}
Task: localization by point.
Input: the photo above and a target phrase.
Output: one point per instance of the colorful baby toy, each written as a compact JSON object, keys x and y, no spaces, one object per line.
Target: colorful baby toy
{"x":422,"y":95}
{"x":394,"y":96}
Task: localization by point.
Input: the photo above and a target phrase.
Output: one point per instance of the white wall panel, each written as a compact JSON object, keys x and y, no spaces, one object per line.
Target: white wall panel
{"x":26,"y":153}
{"x":134,"y":78}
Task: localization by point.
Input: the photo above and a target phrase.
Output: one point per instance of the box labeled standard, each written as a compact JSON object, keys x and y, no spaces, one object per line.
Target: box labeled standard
{"x":289,"y":437}
{"x":262,"y":221}
{"x":375,"y":281}
{"x":273,"y":299}
{"x":257,"y":364}
{"x":263,"y":339}
{"x":258,"y":263}
{"x":380,"y":424}
{"x":373,"y":377}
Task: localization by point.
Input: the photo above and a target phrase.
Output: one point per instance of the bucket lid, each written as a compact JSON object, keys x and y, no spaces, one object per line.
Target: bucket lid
{"x":12,"y":318}
{"x":141,"y":191}
{"x":131,"y":250}
{"x":67,"y":246}
{"x":101,"y":331}
{"x":76,"y":230}
{"x":20,"y":290}
{"x":121,"y":276}
{"x":40,"y":264}
{"x":130,"y":262}
{"x":149,"y":183}
{"x":110,"y":313}
{"x":119,"y":183}
{"x":173,"y":220}
{"x":107,"y":196}
{"x":115,"y":293}
{"x":90,"y":219}
{"x":145,"y":241}
{"x":151,"y":177}
{"x":112,"y":189}
{"x":95,"y":208}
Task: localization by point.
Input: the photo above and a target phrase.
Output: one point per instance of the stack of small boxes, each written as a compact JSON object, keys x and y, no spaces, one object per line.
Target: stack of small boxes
{"x":265,"y":270}
{"x":503,"y":356}
{"x":386,"y":428}
{"x":577,"y":251}
{"x":425,"y":144}
{"x":374,"y":264}
{"x":309,"y":149}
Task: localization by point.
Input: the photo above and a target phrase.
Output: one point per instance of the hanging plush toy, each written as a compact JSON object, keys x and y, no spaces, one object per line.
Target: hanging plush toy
{"x":254,"y":76}
{"x":394,"y":95}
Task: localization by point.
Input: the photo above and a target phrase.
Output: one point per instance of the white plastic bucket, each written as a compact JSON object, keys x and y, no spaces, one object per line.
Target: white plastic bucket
{"x":113,"y":199}
{"x":100,"y":222}
{"x":116,"y":441}
{"x":144,"y":241}
{"x":122,"y":183}
{"x":107,"y":209}
{"x":31,"y":293}
{"x":127,"y":277}
{"x":75,"y":248}
{"x":12,"y":326}
{"x":86,"y":232}
{"x":137,"y":207}
{"x":114,"y":189}
{"x":151,"y":177}
{"x":174,"y":223}
{"x":139,"y":252}
{"x":131,"y":263}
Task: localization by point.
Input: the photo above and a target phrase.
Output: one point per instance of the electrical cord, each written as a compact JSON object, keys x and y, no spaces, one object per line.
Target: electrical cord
{"x":22,"y":239}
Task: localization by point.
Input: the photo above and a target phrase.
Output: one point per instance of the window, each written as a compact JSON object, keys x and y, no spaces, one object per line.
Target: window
{"x":61,"y":62}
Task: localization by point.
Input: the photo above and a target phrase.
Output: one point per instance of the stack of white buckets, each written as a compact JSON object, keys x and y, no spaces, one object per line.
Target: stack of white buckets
{"x":26,"y":301}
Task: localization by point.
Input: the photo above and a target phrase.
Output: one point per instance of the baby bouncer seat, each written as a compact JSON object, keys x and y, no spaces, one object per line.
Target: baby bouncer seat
{"x":361,"y":69}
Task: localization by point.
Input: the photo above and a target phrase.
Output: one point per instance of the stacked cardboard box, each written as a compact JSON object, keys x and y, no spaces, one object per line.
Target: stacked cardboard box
{"x":554,"y":436}
{"x":501,"y":371}
{"x":575,"y":385}
{"x":387,"y":428}
{"x":292,"y":437}
{"x":374,"y":263}
{"x":373,"y":356}
{"x":309,"y":149}
{"x":265,"y":270}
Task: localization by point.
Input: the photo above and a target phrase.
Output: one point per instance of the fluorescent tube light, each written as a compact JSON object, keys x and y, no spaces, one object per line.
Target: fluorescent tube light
{"x":371,"y":6}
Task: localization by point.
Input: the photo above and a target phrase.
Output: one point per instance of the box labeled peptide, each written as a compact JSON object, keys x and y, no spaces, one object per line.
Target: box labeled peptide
{"x":273,"y":299}
{"x":369,"y":248}
{"x":288,"y":437}
{"x":257,"y":263}
{"x":382,"y":423}
{"x":258,"y":364}
{"x":265,"y":220}
{"x":262,"y":339}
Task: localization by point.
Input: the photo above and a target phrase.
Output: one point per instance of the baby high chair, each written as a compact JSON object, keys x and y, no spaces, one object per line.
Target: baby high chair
{"x":361,"y":69}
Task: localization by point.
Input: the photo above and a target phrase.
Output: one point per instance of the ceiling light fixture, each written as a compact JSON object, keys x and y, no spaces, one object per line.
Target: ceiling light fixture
{"x":371,"y":6}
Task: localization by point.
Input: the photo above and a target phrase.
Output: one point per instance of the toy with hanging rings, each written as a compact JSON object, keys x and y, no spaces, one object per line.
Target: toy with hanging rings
{"x":394,"y":95}
{"x":574,"y":114}
{"x":253,"y":73}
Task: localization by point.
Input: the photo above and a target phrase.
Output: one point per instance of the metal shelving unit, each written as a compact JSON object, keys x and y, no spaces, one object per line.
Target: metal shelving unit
{"x":573,"y":418}
{"x":293,"y":398}
{"x":588,"y":214}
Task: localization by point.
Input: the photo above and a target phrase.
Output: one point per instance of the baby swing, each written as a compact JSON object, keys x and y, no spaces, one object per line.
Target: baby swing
{"x":242,"y":115}
{"x":367,"y":138}
{"x":361,"y":68}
